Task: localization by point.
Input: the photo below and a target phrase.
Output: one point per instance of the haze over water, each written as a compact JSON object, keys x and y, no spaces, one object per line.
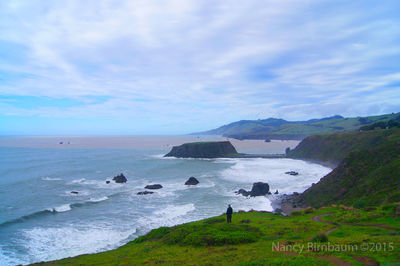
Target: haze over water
{"x":40,"y":219}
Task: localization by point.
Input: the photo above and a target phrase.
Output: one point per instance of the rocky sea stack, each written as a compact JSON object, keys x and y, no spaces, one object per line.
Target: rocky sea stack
{"x":120,"y":178}
{"x":155,"y":186}
{"x":213,"y":149}
{"x":192,"y":181}
{"x":258,"y":189}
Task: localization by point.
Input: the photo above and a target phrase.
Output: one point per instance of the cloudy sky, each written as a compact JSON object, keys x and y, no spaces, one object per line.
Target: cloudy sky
{"x":171,"y":67}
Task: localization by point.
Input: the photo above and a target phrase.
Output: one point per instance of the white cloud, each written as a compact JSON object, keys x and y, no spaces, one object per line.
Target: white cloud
{"x":202,"y":63}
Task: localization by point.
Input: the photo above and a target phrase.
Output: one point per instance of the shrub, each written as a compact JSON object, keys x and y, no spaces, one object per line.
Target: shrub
{"x":321,"y":237}
{"x":212,"y":233}
{"x":308,"y":210}
{"x":214,"y":220}
{"x":359,"y":204}
{"x":153,"y":234}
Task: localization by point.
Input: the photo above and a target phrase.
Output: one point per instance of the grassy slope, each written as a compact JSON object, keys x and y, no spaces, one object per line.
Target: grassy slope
{"x":249,"y":240}
{"x":335,"y":147}
{"x":370,"y":176}
{"x":281,"y":129}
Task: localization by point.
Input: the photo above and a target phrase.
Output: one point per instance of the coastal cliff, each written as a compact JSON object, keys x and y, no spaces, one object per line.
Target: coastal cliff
{"x":261,"y":238}
{"x":214,"y":149}
{"x":331,"y":149}
{"x":367,"y":172}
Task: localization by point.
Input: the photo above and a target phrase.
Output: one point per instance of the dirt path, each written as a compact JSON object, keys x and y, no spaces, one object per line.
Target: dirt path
{"x":318,"y":220}
{"x":362,"y":259}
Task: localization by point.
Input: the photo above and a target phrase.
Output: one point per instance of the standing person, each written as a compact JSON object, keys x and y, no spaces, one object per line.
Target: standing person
{"x":229,"y":212}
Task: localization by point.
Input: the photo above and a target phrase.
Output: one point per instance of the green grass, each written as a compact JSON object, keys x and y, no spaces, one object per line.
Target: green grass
{"x":280,"y":129}
{"x":252,"y":239}
{"x":369,"y":173}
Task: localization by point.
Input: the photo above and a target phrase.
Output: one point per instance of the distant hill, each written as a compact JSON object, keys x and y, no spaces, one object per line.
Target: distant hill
{"x":274,"y":128}
{"x":368,"y":172}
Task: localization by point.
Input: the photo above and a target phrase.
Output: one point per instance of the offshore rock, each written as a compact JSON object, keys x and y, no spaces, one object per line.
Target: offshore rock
{"x":212,"y":149}
{"x":144,"y":192}
{"x":155,"y":186}
{"x":120,"y":178}
{"x":258,"y":189}
{"x":192,"y":181}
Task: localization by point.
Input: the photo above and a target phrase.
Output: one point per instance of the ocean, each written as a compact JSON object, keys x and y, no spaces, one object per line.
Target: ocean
{"x":41,"y":220}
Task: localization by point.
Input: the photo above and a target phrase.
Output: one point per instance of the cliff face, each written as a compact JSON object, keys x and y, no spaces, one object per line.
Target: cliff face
{"x":333,"y":148}
{"x":369,"y":177}
{"x":367,"y":172}
{"x":215,"y":149}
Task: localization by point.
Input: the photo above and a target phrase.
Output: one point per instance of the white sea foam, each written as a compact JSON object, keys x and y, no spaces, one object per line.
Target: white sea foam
{"x":272,"y":171}
{"x":8,"y":258}
{"x":97,"y":183}
{"x":98,"y":199}
{"x":168,"y":216}
{"x":56,"y":243}
{"x":260,"y":203}
{"x":158,"y":156}
{"x":46,"y":178}
{"x":81,"y":180}
{"x":62,"y":208}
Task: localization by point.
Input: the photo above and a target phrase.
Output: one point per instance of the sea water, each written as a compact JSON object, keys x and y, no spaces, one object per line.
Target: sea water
{"x":40,"y":219}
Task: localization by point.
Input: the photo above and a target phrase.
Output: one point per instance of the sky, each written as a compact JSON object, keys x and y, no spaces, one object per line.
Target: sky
{"x":137,"y":67}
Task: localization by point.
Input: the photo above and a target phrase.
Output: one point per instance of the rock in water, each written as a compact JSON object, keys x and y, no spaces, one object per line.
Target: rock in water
{"x":155,"y":186}
{"x":276,"y":192}
{"x":107,"y":182}
{"x":192,"y":181}
{"x":292,"y":173}
{"x":243,"y":192}
{"x":74,"y":192}
{"x":120,"y":178}
{"x":145,"y":192}
{"x":213,"y":149}
{"x":258,"y":189}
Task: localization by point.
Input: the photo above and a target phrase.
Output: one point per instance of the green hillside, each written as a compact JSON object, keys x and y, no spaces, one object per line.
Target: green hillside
{"x":367,"y":176}
{"x":273,"y":128}
{"x":333,"y":148}
{"x":328,"y":236}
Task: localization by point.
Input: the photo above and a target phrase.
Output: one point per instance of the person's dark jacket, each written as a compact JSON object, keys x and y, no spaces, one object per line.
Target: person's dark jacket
{"x":229,"y":211}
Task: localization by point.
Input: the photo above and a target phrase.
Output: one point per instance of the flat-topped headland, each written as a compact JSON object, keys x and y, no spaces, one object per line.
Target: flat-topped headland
{"x":213,"y":149}
{"x":209,"y":149}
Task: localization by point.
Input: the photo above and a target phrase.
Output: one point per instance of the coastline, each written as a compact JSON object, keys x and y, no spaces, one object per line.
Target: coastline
{"x":290,"y":203}
{"x":84,"y":185}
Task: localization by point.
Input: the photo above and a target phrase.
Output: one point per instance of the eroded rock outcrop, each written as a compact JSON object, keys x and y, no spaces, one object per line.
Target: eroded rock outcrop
{"x":192,"y":181}
{"x":120,"y":178}
{"x":291,"y":173}
{"x":258,"y":189}
{"x":144,"y":192}
{"x":155,"y":186}
{"x":213,"y":149}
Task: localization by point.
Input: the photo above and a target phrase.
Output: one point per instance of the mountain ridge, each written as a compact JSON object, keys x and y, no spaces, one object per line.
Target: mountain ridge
{"x":277,"y":128}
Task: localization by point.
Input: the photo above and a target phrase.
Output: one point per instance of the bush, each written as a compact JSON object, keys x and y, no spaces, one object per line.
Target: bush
{"x":308,"y":210}
{"x":320,"y":238}
{"x":359,"y":204}
{"x":218,"y":235}
{"x":212,"y":233}
{"x":214,"y":220}
{"x":388,"y":207}
{"x":153,"y":234}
